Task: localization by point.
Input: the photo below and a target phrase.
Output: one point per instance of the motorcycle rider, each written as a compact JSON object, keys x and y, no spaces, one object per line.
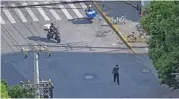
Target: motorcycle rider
{"x":52,"y":27}
{"x":90,"y":8}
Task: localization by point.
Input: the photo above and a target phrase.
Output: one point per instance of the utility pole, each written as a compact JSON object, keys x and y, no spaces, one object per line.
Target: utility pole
{"x":36,"y":50}
{"x":45,"y":88}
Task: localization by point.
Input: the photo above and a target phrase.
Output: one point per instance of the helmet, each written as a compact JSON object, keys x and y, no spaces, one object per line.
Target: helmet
{"x":52,"y":24}
{"x":90,"y":6}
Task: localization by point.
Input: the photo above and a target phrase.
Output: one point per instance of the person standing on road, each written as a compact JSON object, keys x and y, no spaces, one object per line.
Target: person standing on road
{"x":115,"y":72}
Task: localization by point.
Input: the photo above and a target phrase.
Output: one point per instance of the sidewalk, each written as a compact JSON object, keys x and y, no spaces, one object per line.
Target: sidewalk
{"x":126,"y":29}
{"x":130,"y":13}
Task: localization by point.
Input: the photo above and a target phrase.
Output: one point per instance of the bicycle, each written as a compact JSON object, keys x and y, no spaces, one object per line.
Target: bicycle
{"x":134,"y":38}
{"x":118,"y":20}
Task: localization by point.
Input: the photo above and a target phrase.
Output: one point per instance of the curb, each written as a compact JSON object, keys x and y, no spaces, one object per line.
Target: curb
{"x":115,"y":29}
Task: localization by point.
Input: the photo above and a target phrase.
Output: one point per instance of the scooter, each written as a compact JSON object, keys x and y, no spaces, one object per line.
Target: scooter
{"x":50,"y":35}
{"x":57,"y":38}
{"x":91,"y":14}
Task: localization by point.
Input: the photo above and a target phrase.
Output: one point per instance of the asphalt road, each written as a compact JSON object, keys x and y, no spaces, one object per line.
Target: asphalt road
{"x":86,"y":50}
{"x":119,"y":8}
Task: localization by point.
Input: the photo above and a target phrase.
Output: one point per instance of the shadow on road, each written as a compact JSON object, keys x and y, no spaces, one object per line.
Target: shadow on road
{"x":80,"y":21}
{"x":38,"y":38}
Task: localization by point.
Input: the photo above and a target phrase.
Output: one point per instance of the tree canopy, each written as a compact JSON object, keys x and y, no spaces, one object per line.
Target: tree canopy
{"x":16,"y":91}
{"x":4,"y":93}
{"x":161,"y":23}
{"x":19,"y":92}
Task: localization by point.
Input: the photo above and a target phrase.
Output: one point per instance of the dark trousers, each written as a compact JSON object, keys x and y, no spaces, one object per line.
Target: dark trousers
{"x":116,"y":76}
{"x":51,"y":93}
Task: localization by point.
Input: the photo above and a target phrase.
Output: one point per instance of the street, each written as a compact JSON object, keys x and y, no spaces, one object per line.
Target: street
{"x":85,"y":50}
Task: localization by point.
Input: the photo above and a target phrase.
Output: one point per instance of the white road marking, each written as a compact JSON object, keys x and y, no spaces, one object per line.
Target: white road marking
{"x":30,"y":12}
{"x":8,"y":14}
{"x":65,"y":12}
{"x":53,"y":12}
{"x":76,"y":11}
{"x":41,"y":12}
{"x":20,"y":13}
{"x":83,"y":6}
{"x":2,"y":21}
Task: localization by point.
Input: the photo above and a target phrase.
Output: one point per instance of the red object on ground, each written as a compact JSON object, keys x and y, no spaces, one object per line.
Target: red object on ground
{"x":142,"y":13}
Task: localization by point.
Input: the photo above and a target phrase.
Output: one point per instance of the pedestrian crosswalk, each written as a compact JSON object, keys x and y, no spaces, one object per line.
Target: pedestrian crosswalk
{"x":75,"y":10}
{"x":19,"y":13}
{"x":67,"y":14}
{"x":37,"y":12}
{"x":9,"y":16}
{"x":41,"y":12}
{"x":30,"y":12}
{"x":2,"y":21}
{"x":57,"y":17}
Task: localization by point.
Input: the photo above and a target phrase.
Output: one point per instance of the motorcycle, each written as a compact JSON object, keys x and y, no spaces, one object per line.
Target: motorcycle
{"x":51,"y":34}
{"x":57,"y":35}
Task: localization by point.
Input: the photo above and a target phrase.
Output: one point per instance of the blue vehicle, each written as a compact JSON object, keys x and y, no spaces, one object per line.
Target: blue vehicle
{"x":91,"y":14}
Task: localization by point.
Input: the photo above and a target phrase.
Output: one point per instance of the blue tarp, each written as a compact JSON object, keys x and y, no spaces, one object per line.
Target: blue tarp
{"x":91,"y":13}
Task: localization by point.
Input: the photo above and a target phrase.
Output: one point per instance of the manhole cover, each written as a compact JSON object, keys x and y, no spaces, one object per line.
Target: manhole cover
{"x":88,"y":77}
{"x":145,"y":70}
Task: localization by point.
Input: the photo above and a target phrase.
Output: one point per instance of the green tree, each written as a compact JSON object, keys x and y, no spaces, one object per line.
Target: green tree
{"x":16,"y":91}
{"x":19,"y":92}
{"x":4,"y":82}
{"x":161,"y":24}
{"x":4,"y":93}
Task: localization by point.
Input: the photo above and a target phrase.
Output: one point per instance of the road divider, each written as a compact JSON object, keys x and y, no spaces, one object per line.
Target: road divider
{"x":115,"y":29}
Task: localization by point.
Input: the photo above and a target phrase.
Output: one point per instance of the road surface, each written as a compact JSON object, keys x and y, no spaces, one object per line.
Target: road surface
{"x":86,"y":50}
